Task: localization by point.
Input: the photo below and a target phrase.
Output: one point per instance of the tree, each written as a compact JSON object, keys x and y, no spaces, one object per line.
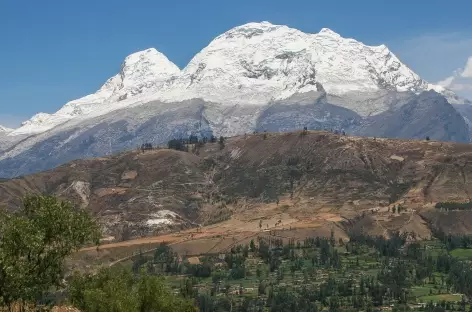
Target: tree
{"x":106,"y":291}
{"x":331,"y":239}
{"x":222,"y":142}
{"x":246,"y":251}
{"x":119,"y":291}
{"x":35,"y":240}
{"x":258,"y":272}
{"x":154,"y":296}
{"x":252,"y":245}
{"x":146,"y":147}
{"x":177,"y":145}
{"x":261,"y":290}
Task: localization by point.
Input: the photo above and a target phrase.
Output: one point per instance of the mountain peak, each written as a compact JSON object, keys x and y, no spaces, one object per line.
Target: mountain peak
{"x":139,"y":71}
{"x":251,"y":64}
{"x":256,"y":62}
{"x":249,"y":30}
{"x":263,"y":24}
{"x":144,"y":55}
{"x":327,"y":31}
{"x":147,"y":65}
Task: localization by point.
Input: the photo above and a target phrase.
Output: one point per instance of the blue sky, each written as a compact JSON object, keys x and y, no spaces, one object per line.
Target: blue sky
{"x":55,"y":51}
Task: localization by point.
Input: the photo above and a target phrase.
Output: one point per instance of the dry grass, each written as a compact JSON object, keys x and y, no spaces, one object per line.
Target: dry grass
{"x":340,"y":178}
{"x":218,"y":238}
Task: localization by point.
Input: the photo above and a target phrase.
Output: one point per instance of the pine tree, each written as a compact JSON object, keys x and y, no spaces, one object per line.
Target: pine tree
{"x":222,"y":142}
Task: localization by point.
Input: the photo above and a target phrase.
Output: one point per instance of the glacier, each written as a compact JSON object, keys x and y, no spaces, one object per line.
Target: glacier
{"x":251,"y":64}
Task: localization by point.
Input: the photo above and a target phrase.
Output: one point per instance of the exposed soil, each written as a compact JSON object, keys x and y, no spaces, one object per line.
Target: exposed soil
{"x":289,"y":184}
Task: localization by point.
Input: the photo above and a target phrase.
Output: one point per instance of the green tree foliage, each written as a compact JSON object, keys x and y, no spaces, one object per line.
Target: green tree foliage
{"x":454,"y":241}
{"x":252,"y":245}
{"x":118,"y":290}
{"x":222,"y":142}
{"x":177,"y":145}
{"x":166,"y":261}
{"x":386,"y":247}
{"x":199,"y":270}
{"x":284,"y":301}
{"x":146,"y":147}
{"x":34,"y":241}
{"x":454,"y":206}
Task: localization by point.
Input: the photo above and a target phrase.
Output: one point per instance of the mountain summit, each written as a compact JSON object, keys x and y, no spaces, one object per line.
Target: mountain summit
{"x":139,"y":71}
{"x":257,"y":62}
{"x":251,"y":64}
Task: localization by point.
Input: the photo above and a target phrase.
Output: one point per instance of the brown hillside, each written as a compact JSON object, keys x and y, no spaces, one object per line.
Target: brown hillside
{"x":320,"y":180}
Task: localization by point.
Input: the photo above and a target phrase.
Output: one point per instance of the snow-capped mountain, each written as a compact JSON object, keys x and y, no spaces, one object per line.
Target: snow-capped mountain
{"x":250,"y":64}
{"x":258,"y":62}
{"x":139,"y":71}
{"x":5,"y":139}
{"x":257,"y":76}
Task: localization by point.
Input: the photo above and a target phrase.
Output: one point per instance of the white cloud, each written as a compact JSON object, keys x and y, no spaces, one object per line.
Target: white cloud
{"x":446,"y":82}
{"x":434,"y":56}
{"x":467,"y":73}
{"x":460,"y":81}
{"x":437,"y":57}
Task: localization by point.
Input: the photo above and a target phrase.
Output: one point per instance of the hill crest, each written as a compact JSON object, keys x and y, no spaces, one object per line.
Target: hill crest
{"x":298,"y":175}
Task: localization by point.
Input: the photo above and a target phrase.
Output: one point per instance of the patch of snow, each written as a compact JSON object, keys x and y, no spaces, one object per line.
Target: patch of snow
{"x":159,"y":221}
{"x":398,"y":158}
{"x":235,"y":153}
{"x":467,"y":121}
{"x":83,"y":190}
{"x":162,"y":217}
